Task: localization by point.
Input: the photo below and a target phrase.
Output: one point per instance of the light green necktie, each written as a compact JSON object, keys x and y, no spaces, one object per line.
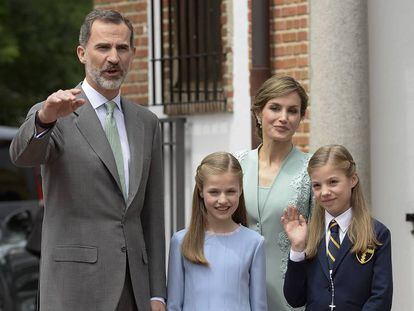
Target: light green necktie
{"x":112,"y":134}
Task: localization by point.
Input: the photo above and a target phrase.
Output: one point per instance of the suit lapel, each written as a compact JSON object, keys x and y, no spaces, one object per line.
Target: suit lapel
{"x":135,"y":133}
{"x":89,"y":125}
{"x":343,"y":250}
{"x":322,"y":257}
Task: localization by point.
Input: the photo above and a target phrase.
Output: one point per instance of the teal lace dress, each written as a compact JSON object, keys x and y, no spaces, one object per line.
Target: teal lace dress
{"x":265,"y":206}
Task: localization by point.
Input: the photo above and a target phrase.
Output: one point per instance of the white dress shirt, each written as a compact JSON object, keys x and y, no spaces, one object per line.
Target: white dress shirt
{"x":98,"y":101}
{"x":343,"y":220}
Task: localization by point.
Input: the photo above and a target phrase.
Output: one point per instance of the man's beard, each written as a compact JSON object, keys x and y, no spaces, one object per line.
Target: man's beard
{"x":107,"y":84}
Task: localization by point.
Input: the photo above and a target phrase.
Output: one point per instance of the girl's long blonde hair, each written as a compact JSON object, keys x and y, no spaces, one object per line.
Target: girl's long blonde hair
{"x":361,"y":230}
{"x":214,"y":164}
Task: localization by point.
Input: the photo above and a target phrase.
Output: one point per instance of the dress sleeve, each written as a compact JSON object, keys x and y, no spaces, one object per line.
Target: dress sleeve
{"x":240,"y":155}
{"x":175,"y":283}
{"x":258,"y":299}
{"x":381,"y":286}
{"x":311,"y":202}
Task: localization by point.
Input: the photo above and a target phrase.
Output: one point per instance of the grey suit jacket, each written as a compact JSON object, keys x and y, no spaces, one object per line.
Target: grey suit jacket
{"x":89,"y":232}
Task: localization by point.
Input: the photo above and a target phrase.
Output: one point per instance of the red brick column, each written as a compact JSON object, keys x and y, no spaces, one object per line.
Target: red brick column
{"x":289,"y":46}
{"x":289,"y":49}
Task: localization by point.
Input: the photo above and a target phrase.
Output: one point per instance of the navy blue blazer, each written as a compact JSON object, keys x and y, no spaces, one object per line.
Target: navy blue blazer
{"x":358,"y":286}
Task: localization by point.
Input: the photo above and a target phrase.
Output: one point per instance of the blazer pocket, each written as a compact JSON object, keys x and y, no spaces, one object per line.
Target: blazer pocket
{"x":75,"y":253}
{"x":144,"y":256}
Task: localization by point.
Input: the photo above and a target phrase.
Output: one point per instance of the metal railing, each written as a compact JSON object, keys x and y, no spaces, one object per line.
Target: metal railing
{"x":186,"y":56}
{"x":173,"y":142}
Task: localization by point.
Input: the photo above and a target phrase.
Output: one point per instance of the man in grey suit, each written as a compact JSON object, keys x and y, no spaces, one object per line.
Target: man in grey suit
{"x":103,"y":245}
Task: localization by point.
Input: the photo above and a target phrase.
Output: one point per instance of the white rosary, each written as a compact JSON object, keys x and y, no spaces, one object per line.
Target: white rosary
{"x":332,"y":305}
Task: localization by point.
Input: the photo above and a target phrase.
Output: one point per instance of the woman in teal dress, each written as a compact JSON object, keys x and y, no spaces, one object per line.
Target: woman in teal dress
{"x":275,"y":175}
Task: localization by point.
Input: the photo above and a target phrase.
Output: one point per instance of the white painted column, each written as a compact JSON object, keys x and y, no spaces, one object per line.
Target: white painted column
{"x":391,"y":54}
{"x":339,"y":79}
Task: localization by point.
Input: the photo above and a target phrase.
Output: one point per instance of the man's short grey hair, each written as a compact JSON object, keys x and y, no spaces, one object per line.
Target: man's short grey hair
{"x":107,"y":16}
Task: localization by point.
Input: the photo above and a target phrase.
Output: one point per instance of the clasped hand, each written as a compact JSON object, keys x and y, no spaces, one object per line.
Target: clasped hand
{"x":60,"y":104}
{"x":295,"y":227}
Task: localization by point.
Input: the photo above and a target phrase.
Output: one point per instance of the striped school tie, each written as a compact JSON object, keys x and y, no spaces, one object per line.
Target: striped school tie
{"x":334,"y":243}
{"x":111,"y":131}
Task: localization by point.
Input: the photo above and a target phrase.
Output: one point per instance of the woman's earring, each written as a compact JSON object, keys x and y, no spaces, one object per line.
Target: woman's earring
{"x":259,"y":122}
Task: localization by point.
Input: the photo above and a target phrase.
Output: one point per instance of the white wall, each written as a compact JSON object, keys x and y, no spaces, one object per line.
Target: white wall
{"x":391,"y":46}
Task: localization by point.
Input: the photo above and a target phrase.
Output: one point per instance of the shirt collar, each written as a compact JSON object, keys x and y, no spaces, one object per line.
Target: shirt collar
{"x":343,"y":220}
{"x":97,"y":99}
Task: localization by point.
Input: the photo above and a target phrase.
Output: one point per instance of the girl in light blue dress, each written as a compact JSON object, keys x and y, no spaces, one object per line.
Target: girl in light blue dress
{"x":217,"y":264}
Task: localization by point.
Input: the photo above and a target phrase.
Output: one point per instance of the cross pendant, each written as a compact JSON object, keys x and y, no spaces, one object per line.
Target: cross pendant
{"x":332,"y":307}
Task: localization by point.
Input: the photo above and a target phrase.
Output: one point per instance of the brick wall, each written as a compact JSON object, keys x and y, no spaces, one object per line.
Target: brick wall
{"x":289,"y":28}
{"x":289,"y":32}
{"x":227,"y":34}
{"x":289,"y":46}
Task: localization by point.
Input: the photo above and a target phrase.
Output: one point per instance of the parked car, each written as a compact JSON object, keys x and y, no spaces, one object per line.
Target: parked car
{"x":20,"y":197}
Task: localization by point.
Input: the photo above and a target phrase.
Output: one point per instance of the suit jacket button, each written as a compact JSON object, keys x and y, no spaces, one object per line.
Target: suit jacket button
{"x":123,"y":249}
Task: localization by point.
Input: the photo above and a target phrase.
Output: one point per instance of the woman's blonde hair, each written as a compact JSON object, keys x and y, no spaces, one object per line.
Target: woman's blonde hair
{"x":361,"y":232}
{"x":274,"y":87}
{"x":214,"y":164}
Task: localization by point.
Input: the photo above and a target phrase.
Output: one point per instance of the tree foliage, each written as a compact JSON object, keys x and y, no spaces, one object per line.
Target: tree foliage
{"x":38,"y":40}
